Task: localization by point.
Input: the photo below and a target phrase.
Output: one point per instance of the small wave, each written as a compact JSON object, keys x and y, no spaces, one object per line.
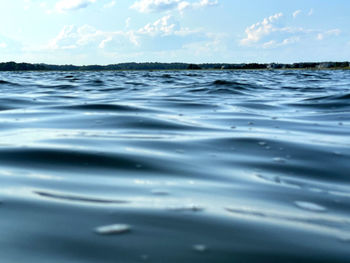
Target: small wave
{"x":4,"y":82}
{"x":227,"y":90}
{"x":104,"y":107}
{"x":234,"y":84}
{"x":341,"y":97}
{"x":215,"y":162}
{"x":59,"y":87}
{"x":230,"y":87}
{"x":96,"y":82}
{"x":69,"y":77}
{"x":134,"y":83}
{"x":70,"y":197}
{"x":167,"y":76}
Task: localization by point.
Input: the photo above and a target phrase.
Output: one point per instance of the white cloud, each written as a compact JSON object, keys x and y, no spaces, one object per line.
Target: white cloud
{"x":68,"y":5}
{"x":290,"y":40}
{"x":257,"y":31}
{"x":149,"y":6}
{"x":204,"y":3}
{"x":162,"y":26}
{"x":311,"y":12}
{"x":183,"y":5}
{"x":271,"y":43}
{"x":72,"y":37}
{"x":63,"y":39}
{"x":166,"y":26}
{"x":270,"y":33}
{"x":200,"y":4}
{"x":286,"y":41}
{"x":162,"y":35}
{"x":333,"y":32}
{"x":104,"y":42}
{"x":296,"y":13}
{"x":3,"y":45}
{"x":110,"y":4}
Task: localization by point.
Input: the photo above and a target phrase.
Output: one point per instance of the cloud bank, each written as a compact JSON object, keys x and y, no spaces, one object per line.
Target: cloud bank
{"x":69,"y":5}
{"x":272,"y":33}
{"x":152,"y":6}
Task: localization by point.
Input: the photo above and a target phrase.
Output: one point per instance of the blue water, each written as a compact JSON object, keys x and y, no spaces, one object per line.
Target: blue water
{"x":184,"y":166}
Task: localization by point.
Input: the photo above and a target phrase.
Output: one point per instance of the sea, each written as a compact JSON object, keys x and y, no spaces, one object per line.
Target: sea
{"x":175,"y":166}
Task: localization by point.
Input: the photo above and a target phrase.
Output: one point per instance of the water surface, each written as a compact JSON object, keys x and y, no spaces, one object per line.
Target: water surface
{"x":185,"y":166}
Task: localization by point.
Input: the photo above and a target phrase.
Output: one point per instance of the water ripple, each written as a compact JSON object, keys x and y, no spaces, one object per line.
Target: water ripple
{"x":175,"y":166}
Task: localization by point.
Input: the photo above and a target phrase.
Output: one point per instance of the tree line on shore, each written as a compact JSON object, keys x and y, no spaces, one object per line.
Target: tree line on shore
{"x":13,"y":66}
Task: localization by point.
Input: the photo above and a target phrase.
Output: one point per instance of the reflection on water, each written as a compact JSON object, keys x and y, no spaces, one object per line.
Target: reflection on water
{"x":207,"y":166}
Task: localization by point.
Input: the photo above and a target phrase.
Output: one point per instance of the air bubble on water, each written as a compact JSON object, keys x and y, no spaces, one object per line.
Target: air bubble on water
{"x":277,"y":179}
{"x":160,"y":192}
{"x":262,"y":143}
{"x":200,"y":248}
{"x":279,"y":160}
{"x":113,"y":229}
{"x":259,"y":176}
{"x":245,"y":211}
{"x":267,"y":147}
{"x":192,"y":208}
{"x":310,"y":206}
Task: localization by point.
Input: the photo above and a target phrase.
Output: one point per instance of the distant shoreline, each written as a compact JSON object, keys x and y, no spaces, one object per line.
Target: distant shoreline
{"x":13,"y":66}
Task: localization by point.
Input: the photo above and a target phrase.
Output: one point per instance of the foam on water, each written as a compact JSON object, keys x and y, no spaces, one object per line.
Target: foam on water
{"x":113,"y":229}
{"x":310,"y":206}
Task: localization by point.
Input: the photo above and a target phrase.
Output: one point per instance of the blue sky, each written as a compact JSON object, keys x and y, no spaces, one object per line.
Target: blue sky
{"x":113,"y":31}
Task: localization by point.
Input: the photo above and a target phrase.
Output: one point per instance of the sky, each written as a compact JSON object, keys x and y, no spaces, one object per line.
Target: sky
{"x":85,"y":32}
